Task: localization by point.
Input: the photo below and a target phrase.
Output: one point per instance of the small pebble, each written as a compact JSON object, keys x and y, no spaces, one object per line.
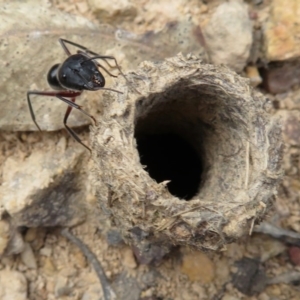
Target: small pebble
{"x":79,"y":259}
{"x":109,"y":11}
{"x":128,"y":259}
{"x":229,"y":297}
{"x":28,"y":258}
{"x":274,"y":290}
{"x":263,"y":296}
{"x":198,"y":267}
{"x":93,"y":292}
{"x":39,"y":239}
{"x":46,"y":251}
{"x":61,"y":287}
{"x":279,"y":78}
{"x":203,"y":9}
{"x":82,"y":7}
{"x":229,"y":23}
{"x":254,"y":76}
{"x":16,"y":244}
{"x":50,"y":286}
{"x":281,"y":31}
{"x":13,"y":285}
{"x":30,"y":235}
{"x":49,"y":267}
{"x":4,"y":235}
{"x":294,"y":254}
{"x":249,"y":277}
{"x":126,"y":287}
{"x":114,"y":237}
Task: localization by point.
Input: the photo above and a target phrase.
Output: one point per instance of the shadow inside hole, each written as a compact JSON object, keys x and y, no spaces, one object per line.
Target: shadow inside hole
{"x":170,"y":157}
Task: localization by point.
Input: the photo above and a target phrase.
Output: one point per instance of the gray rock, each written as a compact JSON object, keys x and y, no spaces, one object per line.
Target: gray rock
{"x":229,"y":35}
{"x":126,"y":287}
{"x":93,"y":292}
{"x":45,"y":189}
{"x":28,"y":258}
{"x":114,"y":237}
{"x":46,"y":251}
{"x":11,"y":241}
{"x":114,"y":11}
{"x":16,"y":244}
{"x":5,"y":235}
{"x":61,"y":287}
{"x":250,"y":277}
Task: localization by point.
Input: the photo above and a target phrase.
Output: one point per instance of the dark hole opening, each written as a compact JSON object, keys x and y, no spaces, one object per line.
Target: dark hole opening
{"x":170,"y":157}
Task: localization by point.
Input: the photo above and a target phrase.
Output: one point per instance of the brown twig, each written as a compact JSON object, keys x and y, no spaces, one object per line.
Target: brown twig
{"x":284,"y":235}
{"x":108,"y":293}
{"x":287,"y":278}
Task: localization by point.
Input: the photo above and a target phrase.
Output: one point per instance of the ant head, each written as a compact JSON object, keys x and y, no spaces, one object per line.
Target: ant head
{"x":77,"y":72}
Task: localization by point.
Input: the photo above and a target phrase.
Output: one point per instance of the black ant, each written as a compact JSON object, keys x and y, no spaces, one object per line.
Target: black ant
{"x":77,"y":73}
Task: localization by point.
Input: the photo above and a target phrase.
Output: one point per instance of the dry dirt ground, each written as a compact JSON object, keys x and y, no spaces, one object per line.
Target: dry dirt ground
{"x":61,"y":271}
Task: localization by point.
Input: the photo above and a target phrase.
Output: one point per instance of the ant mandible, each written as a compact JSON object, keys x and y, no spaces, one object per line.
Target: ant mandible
{"x":69,"y":79}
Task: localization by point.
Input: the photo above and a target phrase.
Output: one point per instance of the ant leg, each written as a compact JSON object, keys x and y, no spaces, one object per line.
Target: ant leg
{"x":90,"y":89}
{"x":31,"y":110}
{"x":54,"y":94}
{"x":63,"y":43}
{"x":107,"y":89}
{"x":72,"y":132}
{"x":74,"y":105}
{"x":110,"y":74}
{"x":87,"y":51}
{"x":104,"y":57}
{"x":60,"y":95}
{"x":100,"y":66}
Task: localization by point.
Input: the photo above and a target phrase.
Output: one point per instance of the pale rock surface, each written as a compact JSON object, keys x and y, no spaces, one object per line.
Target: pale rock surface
{"x":27,"y":257}
{"x":113,"y":10}
{"x":13,"y":285}
{"x":44,"y":189}
{"x":4,"y":235}
{"x":254,"y":76}
{"x":128,"y":259}
{"x":16,"y":243}
{"x":229,"y":297}
{"x":228,"y":35}
{"x":92,"y":293}
{"x":282,"y":30}
{"x":291,"y":126}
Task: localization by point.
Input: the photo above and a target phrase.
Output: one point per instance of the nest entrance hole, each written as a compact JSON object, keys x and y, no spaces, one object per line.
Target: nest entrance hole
{"x":171,"y":139}
{"x":169,"y":157}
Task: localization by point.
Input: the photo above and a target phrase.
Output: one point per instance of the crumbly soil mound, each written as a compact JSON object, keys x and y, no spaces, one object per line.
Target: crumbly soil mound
{"x":222,"y":155}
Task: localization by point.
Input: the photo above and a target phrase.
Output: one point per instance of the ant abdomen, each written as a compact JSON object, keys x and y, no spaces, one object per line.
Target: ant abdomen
{"x":52,"y":78}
